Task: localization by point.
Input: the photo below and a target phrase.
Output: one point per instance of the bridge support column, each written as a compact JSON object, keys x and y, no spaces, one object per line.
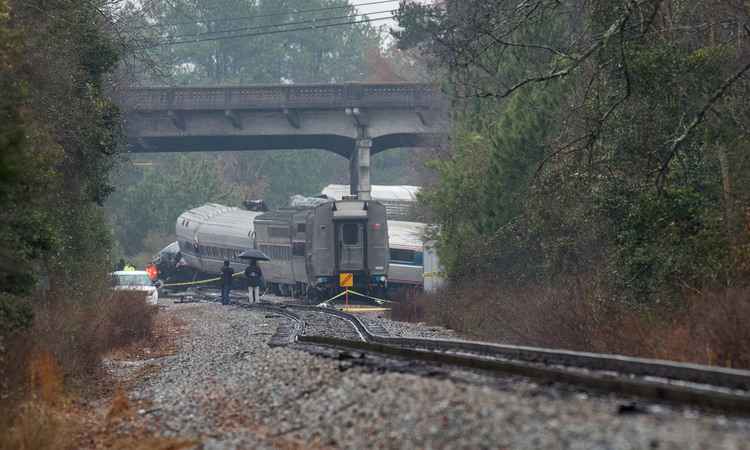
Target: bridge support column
{"x":359,"y":166}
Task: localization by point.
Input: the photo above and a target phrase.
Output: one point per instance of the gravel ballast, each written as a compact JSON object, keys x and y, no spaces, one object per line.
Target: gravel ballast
{"x":406,"y":329}
{"x":226,"y":388}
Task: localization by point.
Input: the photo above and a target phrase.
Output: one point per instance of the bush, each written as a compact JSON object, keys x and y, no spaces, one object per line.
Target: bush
{"x":63,"y":349}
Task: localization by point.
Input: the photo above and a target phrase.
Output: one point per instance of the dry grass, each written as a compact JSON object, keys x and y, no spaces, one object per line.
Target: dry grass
{"x":46,"y":379}
{"x":154,"y":443}
{"x":37,"y":426}
{"x":120,"y":406}
{"x":708,"y":328}
{"x":60,"y":357}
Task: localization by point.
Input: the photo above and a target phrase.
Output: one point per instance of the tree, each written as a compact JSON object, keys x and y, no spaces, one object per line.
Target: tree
{"x":626,"y":112}
{"x":204,"y":51}
{"x":59,"y":137}
{"x":152,"y":200}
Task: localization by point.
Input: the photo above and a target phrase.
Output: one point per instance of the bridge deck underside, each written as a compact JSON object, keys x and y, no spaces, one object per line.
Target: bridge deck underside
{"x":334,"y":130}
{"x":340,"y":145}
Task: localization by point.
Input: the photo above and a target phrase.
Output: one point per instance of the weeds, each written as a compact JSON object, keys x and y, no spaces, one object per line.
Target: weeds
{"x":708,"y":328}
{"x":37,"y":426}
{"x":60,"y":354}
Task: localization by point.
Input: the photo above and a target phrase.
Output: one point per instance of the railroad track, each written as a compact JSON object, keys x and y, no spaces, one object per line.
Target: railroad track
{"x":713,"y":388}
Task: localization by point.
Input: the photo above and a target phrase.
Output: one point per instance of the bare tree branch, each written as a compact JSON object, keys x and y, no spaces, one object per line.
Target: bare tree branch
{"x":697,"y":120}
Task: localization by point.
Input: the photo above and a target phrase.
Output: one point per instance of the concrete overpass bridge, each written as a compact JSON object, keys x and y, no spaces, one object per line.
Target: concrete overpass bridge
{"x":354,"y":120}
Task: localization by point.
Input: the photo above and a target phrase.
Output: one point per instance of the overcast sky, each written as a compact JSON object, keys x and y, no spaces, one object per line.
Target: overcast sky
{"x":382,"y":7}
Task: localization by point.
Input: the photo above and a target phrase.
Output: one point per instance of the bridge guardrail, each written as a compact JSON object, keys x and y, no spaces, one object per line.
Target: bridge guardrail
{"x":390,"y":95}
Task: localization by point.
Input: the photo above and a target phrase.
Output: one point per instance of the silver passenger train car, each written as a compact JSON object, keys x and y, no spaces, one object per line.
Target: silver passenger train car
{"x":408,"y":254}
{"x":309,"y":247}
{"x":406,"y":266}
{"x":213,"y":233}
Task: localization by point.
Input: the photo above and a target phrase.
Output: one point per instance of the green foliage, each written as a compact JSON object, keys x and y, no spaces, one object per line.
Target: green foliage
{"x":15,"y":314}
{"x":152,"y":200}
{"x":592,"y":169}
{"x":321,"y":56}
{"x":480,"y":201}
{"x":59,"y":135}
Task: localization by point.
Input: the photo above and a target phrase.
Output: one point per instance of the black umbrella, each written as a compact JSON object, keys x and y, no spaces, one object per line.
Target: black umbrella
{"x":254,"y":254}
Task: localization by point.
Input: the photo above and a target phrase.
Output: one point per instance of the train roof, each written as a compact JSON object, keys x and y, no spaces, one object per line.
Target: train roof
{"x":406,"y":235}
{"x":219,"y":223}
{"x":377,"y":192}
{"x":206,"y":212}
{"x":281,"y":215}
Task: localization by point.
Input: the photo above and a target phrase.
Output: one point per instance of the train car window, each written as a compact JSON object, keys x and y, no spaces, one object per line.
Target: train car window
{"x":298,"y":249}
{"x":301,"y":228}
{"x":350,"y":232}
{"x":401,"y":255}
{"x":278,"y":232}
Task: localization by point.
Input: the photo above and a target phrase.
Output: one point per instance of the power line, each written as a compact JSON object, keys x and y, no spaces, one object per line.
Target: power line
{"x":267,"y":33}
{"x":279,"y":25}
{"x":260,"y":16}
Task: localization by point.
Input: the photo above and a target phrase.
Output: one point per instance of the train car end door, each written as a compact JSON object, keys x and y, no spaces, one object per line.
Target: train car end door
{"x":350,"y":246}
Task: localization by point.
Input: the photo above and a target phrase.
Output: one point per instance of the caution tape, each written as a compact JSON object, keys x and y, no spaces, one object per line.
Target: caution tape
{"x":197,"y":283}
{"x":325,"y":303}
{"x":349,"y":291}
{"x":379,"y":300}
{"x":365,"y":309}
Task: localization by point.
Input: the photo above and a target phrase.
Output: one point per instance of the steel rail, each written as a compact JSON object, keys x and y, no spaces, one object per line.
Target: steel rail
{"x":605,"y":373}
{"x":710,"y":387}
{"x":286,"y":334}
{"x":696,"y":396}
{"x":644,"y":367}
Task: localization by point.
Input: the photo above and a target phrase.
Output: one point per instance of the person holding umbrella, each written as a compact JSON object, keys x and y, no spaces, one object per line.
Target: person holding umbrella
{"x":254,"y":279}
{"x":253,"y":273}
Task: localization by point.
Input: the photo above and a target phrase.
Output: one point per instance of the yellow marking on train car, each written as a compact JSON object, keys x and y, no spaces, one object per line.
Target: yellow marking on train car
{"x":346,"y":280}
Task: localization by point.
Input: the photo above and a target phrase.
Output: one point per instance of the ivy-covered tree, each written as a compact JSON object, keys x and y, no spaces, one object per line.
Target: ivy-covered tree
{"x":59,"y":138}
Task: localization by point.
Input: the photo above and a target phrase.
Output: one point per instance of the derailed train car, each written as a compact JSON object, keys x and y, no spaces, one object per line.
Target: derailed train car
{"x":213,"y":233}
{"x":309,"y":247}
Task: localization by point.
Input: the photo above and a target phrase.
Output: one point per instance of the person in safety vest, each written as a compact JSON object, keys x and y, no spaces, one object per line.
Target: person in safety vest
{"x":254,"y":280}
{"x":226,"y":282}
{"x":152,"y":271}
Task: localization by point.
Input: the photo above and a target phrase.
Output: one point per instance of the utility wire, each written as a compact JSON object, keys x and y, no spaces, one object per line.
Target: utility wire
{"x":260,"y":16}
{"x":267,"y":33}
{"x":279,"y":25}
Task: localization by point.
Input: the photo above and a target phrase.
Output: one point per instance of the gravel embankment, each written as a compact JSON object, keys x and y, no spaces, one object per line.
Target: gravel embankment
{"x":319,"y":324}
{"x":229,"y":390}
{"x":406,"y":329}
